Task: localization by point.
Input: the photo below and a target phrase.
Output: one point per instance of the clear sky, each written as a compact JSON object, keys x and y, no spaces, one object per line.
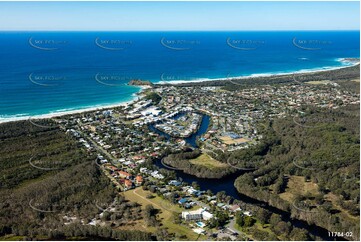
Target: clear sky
{"x":179,"y":16}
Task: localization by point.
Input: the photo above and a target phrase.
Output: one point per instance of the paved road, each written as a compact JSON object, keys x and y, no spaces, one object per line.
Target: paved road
{"x":211,"y":151}
{"x":232,"y":228}
{"x":212,"y":146}
{"x":199,"y":203}
{"x":106,"y":153}
{"x":99,"y":148}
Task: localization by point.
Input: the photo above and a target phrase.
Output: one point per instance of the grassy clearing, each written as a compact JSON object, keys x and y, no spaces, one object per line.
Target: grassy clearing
{"x":333,"y":198}
{"x":244,"y":231}
{"x":298,"y":186}
{"x":207,"y":161}
{"x":249,"y":231}
{"x":11,"y":238}
{"x":134,"y":225}
{"x":229,"y":141}
{"x":323,"y":82}
{"x":166,"y":213}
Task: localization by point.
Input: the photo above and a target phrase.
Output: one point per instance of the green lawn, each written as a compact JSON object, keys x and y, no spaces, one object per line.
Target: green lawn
{"x":11,"y":238}
{"x":207,"y":161}
{"x":166,"y":216}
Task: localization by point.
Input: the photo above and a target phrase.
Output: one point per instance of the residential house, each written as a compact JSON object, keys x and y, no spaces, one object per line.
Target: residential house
{"x":197,"y":215}
{"x":124,"y":174}
{"x":235,"y":208}
{"x":128,"y":184}
{"x":175,"y":183}
{"x":182,"y":201}
{"x":138,"y":180}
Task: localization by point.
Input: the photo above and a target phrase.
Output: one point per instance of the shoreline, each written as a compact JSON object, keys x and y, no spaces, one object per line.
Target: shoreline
{"x":63,"y":113}
{"x":344,"y":61}
{"x":55,"y":114}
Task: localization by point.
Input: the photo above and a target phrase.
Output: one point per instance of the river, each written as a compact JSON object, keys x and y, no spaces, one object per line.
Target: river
{"x":215,"y":185}
{"x":226,"y":184}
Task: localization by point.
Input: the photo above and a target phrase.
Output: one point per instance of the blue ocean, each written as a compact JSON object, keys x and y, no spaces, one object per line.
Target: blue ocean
{"x":50,"y":72}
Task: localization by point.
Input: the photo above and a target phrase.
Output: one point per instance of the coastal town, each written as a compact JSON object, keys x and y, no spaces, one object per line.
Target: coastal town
{"x":128,"y":139}
{"x":180,"y":120}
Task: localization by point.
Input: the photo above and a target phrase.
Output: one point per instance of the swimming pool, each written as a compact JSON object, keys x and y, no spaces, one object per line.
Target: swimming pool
{"x":200,"y":224}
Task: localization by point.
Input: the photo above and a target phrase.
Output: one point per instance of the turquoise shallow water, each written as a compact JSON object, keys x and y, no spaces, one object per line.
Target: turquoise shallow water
{"x":50,"y":72}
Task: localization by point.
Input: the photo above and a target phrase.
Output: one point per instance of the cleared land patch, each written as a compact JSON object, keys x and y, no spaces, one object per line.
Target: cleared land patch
{"x":207,"y":161}
{"x":298,"y":186}
{"x":167,"y":211}
{"x":229,"y":141}
{"x":319,"y":82}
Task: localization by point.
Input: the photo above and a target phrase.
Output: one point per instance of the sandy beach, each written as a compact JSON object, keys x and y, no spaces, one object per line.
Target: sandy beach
{"x":138,"y":95}
{"x":344,"y":61}
{"x":77,"y":111}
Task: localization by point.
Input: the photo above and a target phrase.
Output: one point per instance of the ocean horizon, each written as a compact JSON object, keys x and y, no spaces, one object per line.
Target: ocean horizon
{"x":47,"y":73}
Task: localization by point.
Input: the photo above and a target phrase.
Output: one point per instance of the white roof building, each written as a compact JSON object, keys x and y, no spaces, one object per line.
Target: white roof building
{"x":198,"y":214}
{"x":207,"y":215}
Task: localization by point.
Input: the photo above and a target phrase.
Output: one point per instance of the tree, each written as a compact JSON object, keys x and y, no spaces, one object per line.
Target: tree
{"x":221,"y":195}
{"x":299,"y":234}
{"x":240,"y":219}
{"x":106,"y":216}
{"x":282,"y":228}
{"x":149,"y":210}
{"x":176,"y":218}
{"x":275,"y":219}
{"x":249,"y":221}
{"x":149,"y":196}
{"x":263,"y":215}
{"x":154,"y":97}
{"x":162,"y":234}
{"x":150,"y":215}
{"x":152,"y":189}
{"x":195,"y":185}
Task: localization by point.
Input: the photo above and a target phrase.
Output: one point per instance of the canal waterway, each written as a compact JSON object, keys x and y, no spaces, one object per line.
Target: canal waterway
{"x":226,"y":184}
